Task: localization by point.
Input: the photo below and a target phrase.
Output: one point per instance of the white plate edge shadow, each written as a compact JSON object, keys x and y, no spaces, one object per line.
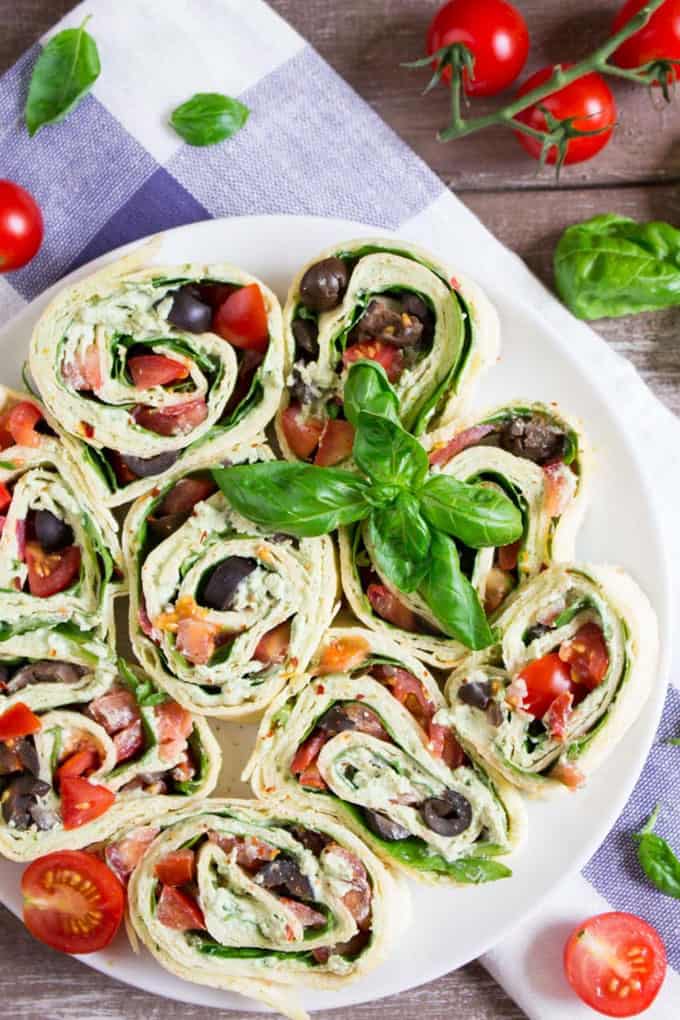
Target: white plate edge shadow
{"x":142,"y":971}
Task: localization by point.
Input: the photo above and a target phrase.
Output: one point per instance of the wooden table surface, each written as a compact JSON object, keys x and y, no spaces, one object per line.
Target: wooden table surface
{"x":637,"y":175}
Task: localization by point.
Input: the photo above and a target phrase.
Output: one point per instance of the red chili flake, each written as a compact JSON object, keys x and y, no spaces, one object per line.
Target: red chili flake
{"x":455,"y":283}
{"x":88,"y":430}
{"x":359,"y":697}
{"x":320,"y":689}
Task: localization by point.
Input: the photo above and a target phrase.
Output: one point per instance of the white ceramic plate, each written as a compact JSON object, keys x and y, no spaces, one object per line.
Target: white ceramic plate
{"x":449,"y":927}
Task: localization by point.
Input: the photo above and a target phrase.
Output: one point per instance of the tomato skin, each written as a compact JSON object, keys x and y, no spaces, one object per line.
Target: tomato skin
{"x":5,"y":497}
{"x":273,"y":646}
{"x":589,"y":100}
{"x":172,"y":421}
{"x":586,"y":654}
{"x":186,"y":494}
{"x":155,"y":370}
{"x":546,"y":678}
{"x":18,"y":721}
{"x":51,"y":573}
{"x":658,"y":40}
{"x":445,"y":746}
{"x":388,"y":607}
{"x":20,"y":423}
{"x":599,"y":968}
{"x":336,"y":443}
{"x":77,"y":764}
{"x":495,"y":33}
{"x":177,"y":867}
{"x":308,"y":752}
{"x":21,"y":226}
{"x":178,"y":911}
{"x":242,"y":319}
{"x":391,"y":358}
{"x":302,"y":434}
{"x":82,"y":801}
{"x":343,"y":655}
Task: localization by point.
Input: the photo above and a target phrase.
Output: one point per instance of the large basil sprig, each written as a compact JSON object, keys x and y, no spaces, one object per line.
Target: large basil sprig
{"x":410,"y":514}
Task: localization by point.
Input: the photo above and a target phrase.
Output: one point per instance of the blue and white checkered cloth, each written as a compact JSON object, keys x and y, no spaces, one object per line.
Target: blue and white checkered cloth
{"x":116,"y":172}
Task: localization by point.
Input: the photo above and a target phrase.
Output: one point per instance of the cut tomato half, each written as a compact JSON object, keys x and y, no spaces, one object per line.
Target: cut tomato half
{"x":242,"y":319}
{"x":50,"y":573}
{"x":155,"y":370}
{"x":336,"y":443}
{"x":302,"y":433}
{"x":82,"y":801}
{"x":178,"y":911}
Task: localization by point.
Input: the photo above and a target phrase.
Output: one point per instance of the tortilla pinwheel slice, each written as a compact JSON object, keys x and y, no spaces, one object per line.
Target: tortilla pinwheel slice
{"x":530,"y":452}
{"x":47,"y":668}
{"x":574,"y":666}
{"x":262,"y":900}
{"x":73,"y":775}
{"x":361,"y":737}
{"x":222,"y":612}
{"x":433,"y":331}
{"x":154,"y":370}
{"x":60,"y":561}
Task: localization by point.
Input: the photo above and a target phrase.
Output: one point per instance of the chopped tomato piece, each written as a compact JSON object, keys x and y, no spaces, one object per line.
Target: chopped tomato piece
{"x":83,"y":371}
{"x":124,"y":856}
{"x":273,"y":646}
{"x":115,"y":710}
{"x":343,"y":655}
{"x":364,"y":720}
{"x":302,"y":433}
{"x":306,"y":915}
{"x":185,"y":495}
{"x":196,"y":639}
{"x":408,"y":691}
{"x":445,"y":746}
{"x":560,"y":485}
{"x":50,"y":573}
{"x":508,"y":554}
{"x":358,"y":898}
{"x":567,"y":773}
{"x":18,"y":721}
{"x":587,"y":655}
{"x":178,"y":420}
{"x":82,"y":801}
{"x":312,"y":778}
{"x":78,"y":764}
{"x":469,"y":437}
{"x":250,"y":851}
{"x":177,"y":867}
{"x":545,"y":679}
{"x":155,"y":370}
{"x":558,"y":714}
{"x":391,"y":358}
{"x":308,"y":752}
{"x":20,"y":532}
{"x":129,"y":741}
{"x":336,"y":443}
{"x":388,"y":607}
{"x":20,"y":422}
{"x":242,"y":319}
{"x":174,"y":727}
{"x":5,"y":497}
{"x":178,"y":911}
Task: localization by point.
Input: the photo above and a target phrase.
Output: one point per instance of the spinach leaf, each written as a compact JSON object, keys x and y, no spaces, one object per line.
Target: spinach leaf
{"x":400,"y":540}
{"x":387,"y":453}
{"x":478,"y":515}
{"x":610,"y":265}
{"x":452,"y":598}
{"x":657,"y":859}
{"x":298,"y":499}
{"x":208,"y":118}
{"x":368,"y":389}
{"x":65,"y":72}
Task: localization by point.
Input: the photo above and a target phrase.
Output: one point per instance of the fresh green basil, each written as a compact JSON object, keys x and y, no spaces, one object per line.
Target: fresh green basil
{"x":610,"y":265}
{"x":298,"y":499}
{"x":452,"y":598}
{"x":400,"y":539}
{"x":477,"y":514}
{"x":64,"y":73}
{"x":659,"y":863}
{"x":387,"y":453}
{"x":368,"y":389}
{"x":208,"y":118}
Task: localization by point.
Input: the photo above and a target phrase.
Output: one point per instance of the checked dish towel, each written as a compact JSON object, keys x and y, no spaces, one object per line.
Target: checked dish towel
{"x":116,"y":172}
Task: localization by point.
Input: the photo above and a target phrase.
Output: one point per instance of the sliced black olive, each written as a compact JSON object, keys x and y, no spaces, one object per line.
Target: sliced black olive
{"x":534,"y":438}
{"x":188,"y":312}
{"x":476,"y":693}
{"x":382,"y":322}
{"x":284,"y":872}
{"x":220,"y":588}
{"x":382,"y":826}
{"x":537,"y":631}
{"x":9,"y":760}
{"x":45,"y":671}
{"x":144,"y":467}
{"x":4,"y":673}
{"x":310,"y":839}
{"x":43,"y":816}
{"x":19,"y":798}
{"x":536,"y":728}
{"x":336,"y":720}
{"x":306,"y":335}
{"x":324,"y":283}
{"x":415,"y":306}
{"x":28,"y":756}
{"x":51,"y":532}
{"x":448,"y":815}
{"x":494,"y":713}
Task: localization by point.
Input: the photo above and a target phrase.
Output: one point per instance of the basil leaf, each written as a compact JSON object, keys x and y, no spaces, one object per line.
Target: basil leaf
{"x":610,"y":265}
{"x":367,"y":388}
{"x":657,"y":859}
{"x":476,"y":514}
{"x":297,"y":499}
{"x":452,"y":598}
{"x":208,"y":118}
{"x":64,"y":73}
{"x":400,"y":539}
{"x":387,"y":453}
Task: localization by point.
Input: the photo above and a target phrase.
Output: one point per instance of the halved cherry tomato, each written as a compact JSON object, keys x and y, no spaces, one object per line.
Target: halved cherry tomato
{"x":77,"y":764}
{"x":72,"y":901}
{"x":273,"y":646}
{"x":196,"y":639}
{"x":18,"y":721}
{"x":302,"y":434}
{"x":20,"y":422}
{"x":388,"y":607}
{"x":178,"y":911}
{"x":391,"y":358}
{"x":336,"y":443}
{"x":177,"y":867}
{"x":178,"y":420}
{"x":82,"y":371}
{"x":49,"y":573}
{"x":658,"y":40}
{"x":343,"y":655}
{"x":186,"y":494}
{"x":155,"y":370}
{"x":545,"y":678}
{"x":616,"y":963}
{"x":587,"y":655}
{"x":82,"y":801}
{"x":460,"y":442}
{"x":242,"y":319}
{"x":308,"y":752}
{"x":445,"y":746}
{"x":5,"y":497}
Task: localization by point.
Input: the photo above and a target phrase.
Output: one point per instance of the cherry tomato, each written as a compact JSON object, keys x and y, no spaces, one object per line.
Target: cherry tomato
{"x":308,"y":752}
{"x":21,"y":226}
{"x":18,"y":721}
{"x":177,"y":867}
{"x":302,"y":434}
{"x":82,"y":801}
{"x":589,"y":100}
{"x":587,"y":655}
{"x":77,"y":764}
{"x":558,"y":715}
{"x":312,"y":778}
{"x":391,"y":358}
{"x":408,"y":691}
{"x":496,"y":34}
{"x":20,"y":423}
{"x":616,"y":963}
{"x":72,"y":901}
{"x":242,"y":319}
{"x":545,"y":678}
{"x":389,"y":608}
{"x":336,"y":443}
{"x":50,"y":573}
{"x":5,"y":497}
{"x":177,"y":420}
{"x":273,"y":646}
{"x":658,"y":40}
{"x":343,"y":655}
{"x":186,"y":494}
{"x":178,"y":911}
{"x":155,"y":370}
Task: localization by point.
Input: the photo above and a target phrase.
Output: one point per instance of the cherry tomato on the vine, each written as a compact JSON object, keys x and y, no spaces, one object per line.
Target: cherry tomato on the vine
{"x":658,"y":40}
{"x":21,"y":226}
{"x":496,"y":34}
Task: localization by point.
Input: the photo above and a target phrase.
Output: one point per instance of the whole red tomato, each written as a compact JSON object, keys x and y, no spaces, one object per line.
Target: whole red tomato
{"x":659,"y":39}
{"x":21,"y":226}
{"x":589,"y":100}
{"x":496,"y":34}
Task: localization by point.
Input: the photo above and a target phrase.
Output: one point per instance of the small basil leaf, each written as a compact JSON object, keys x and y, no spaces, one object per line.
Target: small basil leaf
{"x":657,"y":859}
{"x":64,"y":73}
{"x":452,"y":598}
{"x":399,"y":541}
{"x":387,"y":453}
{"x":476,"y":514}
{"x":367,"y":388}
{"x":297,"y":499}
{"x":208,"y":118}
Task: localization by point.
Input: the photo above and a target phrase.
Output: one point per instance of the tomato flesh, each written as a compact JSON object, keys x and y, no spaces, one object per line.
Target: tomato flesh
{"x":155,"y":370}
{"x":77,"y":764}
{"x":343,"y":655}
{"x":616,"y":963}
{"x":5,"y":497}
{"x":659,"y":39}
{"x":302,"y":434}
{"x":20,"y":422}
{"x":546,"y":678}
{"x":242,"y":319}
{"x":445,"y":746}
{"x":177,"y":867}
{"x":586,"y":653}
{"x":18,"y":721}
{"x":388,"y":607}
{"x":82,"y":801}
{"x":408,"y":691}
{"x":186,"y":494}
{"x":178,"y":911}
{"x":308,"y":752}
{"x":50,"y":573}
{"x":196,"y":640}
{"x":21,"y":226}
{"x":273,"y":646}
{"x":391,"y":358}
{"x":179,"y":420}
{"x":336,"y":443}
